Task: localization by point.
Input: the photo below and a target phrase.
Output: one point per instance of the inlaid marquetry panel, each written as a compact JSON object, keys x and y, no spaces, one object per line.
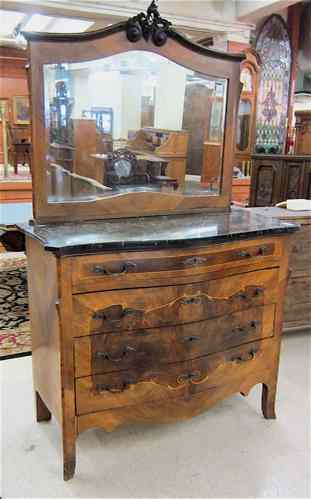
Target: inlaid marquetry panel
{"x":168,"y":305}
{"x":135,"y":386}
{"x":101,"y":353}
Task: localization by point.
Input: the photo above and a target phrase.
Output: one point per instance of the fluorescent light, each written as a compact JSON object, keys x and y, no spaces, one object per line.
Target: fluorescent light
{"x":37,"y":22}
{"x":9,"y":20}
{"x":66,"y":25}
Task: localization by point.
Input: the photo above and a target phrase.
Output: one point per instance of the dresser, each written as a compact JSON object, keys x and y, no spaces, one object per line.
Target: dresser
{"x":148,"y":303}
{"x":153,"y":321}
{"x":297,"y":308}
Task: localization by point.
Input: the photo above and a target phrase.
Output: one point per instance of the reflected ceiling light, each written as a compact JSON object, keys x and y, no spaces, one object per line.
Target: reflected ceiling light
{"x":9,"y":20}
{"x":37,"y":22}
{"x":66,"y":25}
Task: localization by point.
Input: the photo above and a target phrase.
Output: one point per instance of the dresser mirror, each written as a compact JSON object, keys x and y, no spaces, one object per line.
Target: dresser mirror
{"x":126,"y":127}
{"x":161,"y":128}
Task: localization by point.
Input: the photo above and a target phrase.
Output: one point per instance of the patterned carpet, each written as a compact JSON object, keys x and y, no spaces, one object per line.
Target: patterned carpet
{"x":15,"y":332}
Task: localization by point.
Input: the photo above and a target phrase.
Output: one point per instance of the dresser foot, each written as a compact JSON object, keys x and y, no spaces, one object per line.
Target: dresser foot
{"x":69,"y":468}
{"x":42,"y":412}
{"x":268,"y":401}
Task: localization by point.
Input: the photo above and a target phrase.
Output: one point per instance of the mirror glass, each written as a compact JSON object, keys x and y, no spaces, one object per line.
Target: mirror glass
{"x":244,"y":122}
{"x":132,"y":122}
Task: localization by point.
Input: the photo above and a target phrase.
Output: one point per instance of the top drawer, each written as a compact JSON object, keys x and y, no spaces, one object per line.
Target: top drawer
{"x":149,"y":268}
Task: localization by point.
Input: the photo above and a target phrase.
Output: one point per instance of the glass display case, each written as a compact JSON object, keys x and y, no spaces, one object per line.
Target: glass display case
{"x":128,"y":128}
{"x":246,"y":124}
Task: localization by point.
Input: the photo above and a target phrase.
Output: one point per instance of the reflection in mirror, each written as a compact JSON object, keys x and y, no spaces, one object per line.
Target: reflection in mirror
{"x":247,"y":80}
{"x":132,"y":122}
{"x":243,"y":129}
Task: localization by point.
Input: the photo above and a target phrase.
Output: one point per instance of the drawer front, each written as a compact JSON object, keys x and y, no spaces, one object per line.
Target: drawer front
{"x":300,"y":257}
{"x":145,"y":308}
{"x":134,"y":269}
{"x":135,"y":387}
{"x":297,"y":308}
{"x":103,"y":353}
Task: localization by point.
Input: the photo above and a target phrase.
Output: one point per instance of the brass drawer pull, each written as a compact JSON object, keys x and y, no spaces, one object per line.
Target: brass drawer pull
{"x":100,"y":387}
{"x":195,"y":260}
{"x":190,"y":339}
{"x":263,"y":250}
{"x":245,"y":358}
{"x":191,"y":300}
{"x":107,"y":356}
{"x":114,"y":315}
{"x":243,"y":254}
{"x":239,"y":330}
{"x":126,"y":267}
{"x":183,"y":378}
{"x":243,"y":296}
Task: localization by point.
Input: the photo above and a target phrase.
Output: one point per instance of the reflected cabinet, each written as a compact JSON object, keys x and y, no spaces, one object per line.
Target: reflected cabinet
{"x":246,"y":124}
{"x":128,"y":129}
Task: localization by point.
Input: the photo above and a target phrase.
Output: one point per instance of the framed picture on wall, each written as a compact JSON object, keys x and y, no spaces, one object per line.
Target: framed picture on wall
{"x":21,"y":110}
{"x":4,"y":109}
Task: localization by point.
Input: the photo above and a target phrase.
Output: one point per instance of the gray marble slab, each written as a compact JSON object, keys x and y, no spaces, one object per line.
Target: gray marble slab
{"x":154,"y":232}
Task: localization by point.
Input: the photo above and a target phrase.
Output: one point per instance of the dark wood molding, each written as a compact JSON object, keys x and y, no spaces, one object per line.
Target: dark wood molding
{"x":121,"y":27}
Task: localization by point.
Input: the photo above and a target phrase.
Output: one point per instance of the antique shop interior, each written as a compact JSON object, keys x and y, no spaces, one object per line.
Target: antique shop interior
{"x":155,"y":248}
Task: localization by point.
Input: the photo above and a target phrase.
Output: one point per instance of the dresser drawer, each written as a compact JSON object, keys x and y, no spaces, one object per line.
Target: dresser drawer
{"x":297,"y":307}
{"x":134,"y":269}
{"x":103,"y":353}
{"x":144,"y":308}
{"x":134,"y":387}
{"x":300,"y":256}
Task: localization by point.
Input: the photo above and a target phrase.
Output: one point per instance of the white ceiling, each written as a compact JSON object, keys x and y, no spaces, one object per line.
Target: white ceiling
{"x":197,"y":18}
{"x":201,"y":17}
{"x":13,"y":20}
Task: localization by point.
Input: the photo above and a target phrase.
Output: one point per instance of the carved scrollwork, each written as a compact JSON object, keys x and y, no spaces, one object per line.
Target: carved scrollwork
{"x":148,"y":25}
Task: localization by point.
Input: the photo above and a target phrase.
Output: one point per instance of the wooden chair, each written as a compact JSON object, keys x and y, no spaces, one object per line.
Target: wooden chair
{"x":19,"y":145}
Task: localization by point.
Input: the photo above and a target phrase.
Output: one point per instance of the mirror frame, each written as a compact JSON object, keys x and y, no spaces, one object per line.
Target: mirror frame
{"x":69,"y":48}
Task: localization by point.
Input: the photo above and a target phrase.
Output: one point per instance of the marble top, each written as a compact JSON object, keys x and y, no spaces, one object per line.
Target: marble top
{"x":154,"y":232}
{"x":284,"y":214}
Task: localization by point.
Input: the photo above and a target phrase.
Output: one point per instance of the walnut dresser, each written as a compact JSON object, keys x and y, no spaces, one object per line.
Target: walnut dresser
{"x":150,"y":299}
{"x":154,"y":320}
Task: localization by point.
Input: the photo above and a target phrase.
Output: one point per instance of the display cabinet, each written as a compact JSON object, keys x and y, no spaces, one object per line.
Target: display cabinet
{"x":173,"y":302}
{"x":246,"y":124}
{"x":303,"y":132}
{"x":276,"y":178}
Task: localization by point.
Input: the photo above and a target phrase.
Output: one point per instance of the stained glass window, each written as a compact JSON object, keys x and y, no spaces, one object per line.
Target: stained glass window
{"x":274,"y":48}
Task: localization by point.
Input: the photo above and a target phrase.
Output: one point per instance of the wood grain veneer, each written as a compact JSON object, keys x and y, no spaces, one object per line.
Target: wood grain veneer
{"x":190,"y":344}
